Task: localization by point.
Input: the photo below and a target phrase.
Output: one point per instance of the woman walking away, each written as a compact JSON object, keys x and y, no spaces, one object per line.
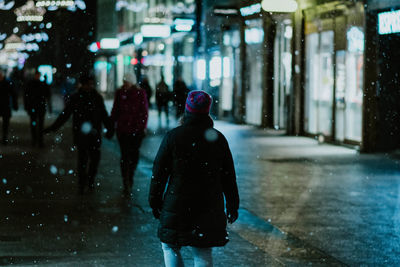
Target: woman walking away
{"x":192,"y":173}
{"x":129,"y":113}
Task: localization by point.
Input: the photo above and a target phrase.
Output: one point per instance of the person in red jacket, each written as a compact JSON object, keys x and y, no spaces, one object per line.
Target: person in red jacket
{"x":129,"y":113}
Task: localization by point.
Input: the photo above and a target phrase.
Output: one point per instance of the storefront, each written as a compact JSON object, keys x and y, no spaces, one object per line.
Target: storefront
{"x":334,"y":72}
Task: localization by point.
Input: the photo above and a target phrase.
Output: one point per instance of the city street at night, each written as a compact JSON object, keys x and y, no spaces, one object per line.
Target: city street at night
{"x":302,"y":203}
{"x":204,"y":133}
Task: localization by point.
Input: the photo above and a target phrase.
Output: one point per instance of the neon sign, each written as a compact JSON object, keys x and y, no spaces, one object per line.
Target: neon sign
{"x":389,"y":22}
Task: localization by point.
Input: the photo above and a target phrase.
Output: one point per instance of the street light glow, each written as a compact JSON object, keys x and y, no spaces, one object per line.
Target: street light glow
{"x":284,"y":6}
{"x":64,"y":3}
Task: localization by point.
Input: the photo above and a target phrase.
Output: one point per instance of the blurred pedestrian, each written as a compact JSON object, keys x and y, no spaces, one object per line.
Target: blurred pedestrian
{"x":180,"y":93}
{"x":36,"y":102}
{"x":144,"y":84}
{"x":88,"y":115}
{"x":129,"y":114}
{"x":162,"y":100}
{"x":192,"y":173}
{"x":8,"y":100}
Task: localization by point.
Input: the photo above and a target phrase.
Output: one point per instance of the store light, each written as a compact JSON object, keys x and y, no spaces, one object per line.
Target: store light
{"x":215,"y":68}
{"x":183,"y":28}
{"x":283,"y":6}
{"x":201,"y":69}
{"x":29,"y":12}
{"x":59,"y":3}
{"x":14,"y":43}
{"x":253,"y":36}
{"x":355,"y":37}
{"x":94,"y":47}
{"x":109,"y":43}
{"x":160,"y":30}
{"x":389,"y":22}
{"x":183,"y":25}
{"x":138,"y":39}
{"x":30,"y":18}
{"x":134,"y":61}
{"x":250,"y":10}
{"x":227,"y":67}
{"x":46,"y":70}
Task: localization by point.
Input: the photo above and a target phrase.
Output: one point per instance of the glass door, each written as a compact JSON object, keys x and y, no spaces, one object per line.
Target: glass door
{"x":282,"y":73}
{"x":319,"y":82}
{"x":254,"y":37}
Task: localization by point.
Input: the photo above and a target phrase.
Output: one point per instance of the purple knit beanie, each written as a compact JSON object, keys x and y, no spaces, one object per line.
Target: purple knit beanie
{"x":198,"y":102}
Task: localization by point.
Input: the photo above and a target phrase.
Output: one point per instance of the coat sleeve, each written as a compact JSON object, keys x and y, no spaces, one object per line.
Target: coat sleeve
{"x":161,"y":172}
{"x":115,"y":108}
{"x":106,"y":120}
{"x":144,"y":109}
{"x":63,"y":117}
{"x":229,"y":184}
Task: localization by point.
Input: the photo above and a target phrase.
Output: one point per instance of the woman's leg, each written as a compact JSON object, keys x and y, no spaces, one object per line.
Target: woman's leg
{"x":172,"y":255}
{"x":202,"y":257}
{"x":134,"y":153}
{"x":123,"y":141}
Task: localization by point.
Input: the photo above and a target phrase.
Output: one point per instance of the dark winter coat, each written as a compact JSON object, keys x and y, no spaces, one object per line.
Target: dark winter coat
{"x":130,"y":110}
{"x":37,"y":96}
{"x":8,"y":98}
{"x":194,"y":168}
{"x":88,"y":114}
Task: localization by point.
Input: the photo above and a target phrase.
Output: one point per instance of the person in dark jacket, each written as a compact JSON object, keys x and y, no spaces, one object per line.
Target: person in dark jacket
{"x":129,"y":114}
{"x":88,"y":115}
{"x":36,"y":101}
{"x":192,"y":173}
{"x":180,"y":93}
{"x":162,"y":100}
{"x":144,"y":84}
{"x":8,"y":99}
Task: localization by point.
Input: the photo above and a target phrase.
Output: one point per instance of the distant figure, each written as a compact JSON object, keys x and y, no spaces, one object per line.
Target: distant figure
{"x":88,"y":115}
{"x":162,"y":100}
{"x":8,"y":99}
{"x":180,"y":93}
{"x":36,"y":102}
{"x":192,"y":174}
{"x":129,"y":113}
{"x":144,"y":84}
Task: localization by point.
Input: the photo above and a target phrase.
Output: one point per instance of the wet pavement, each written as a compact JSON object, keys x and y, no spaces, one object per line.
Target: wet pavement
{"x":302,"y":203}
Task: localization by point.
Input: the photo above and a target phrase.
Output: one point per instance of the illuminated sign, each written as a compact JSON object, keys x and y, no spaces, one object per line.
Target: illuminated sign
{"x":226,"y":11}
{"x":155,"y":30}
{"x":183,"y":25}
{"x":109,"y":43}
{"x":279,"y":6}
{"x":389,"y":22}
{"x":250,"y":10}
